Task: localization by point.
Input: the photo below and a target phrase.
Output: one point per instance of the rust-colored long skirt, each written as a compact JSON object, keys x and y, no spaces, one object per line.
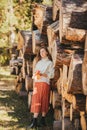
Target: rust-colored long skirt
{"x":40,"y":98}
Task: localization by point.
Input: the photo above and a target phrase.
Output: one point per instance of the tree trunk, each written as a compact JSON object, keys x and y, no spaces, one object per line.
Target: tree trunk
{"x":52,"y":32}
{"x":75,"y":74}
{"x":20,"y":41}
{"x":59,"y":55}
{"x":38,"y":40}
{"x":74,"y":34}
{"x":84,"y":69}
{"x":27,"y":36}
{"x":83,"y":120}
{"x":56,"y":99}
{"x":80,"y":102}
{"x":55,"y":79}
{"x":56,"y":8}
{"x":42,"y":17}
{"x":75,"y":17}
{"x":28,"y":83}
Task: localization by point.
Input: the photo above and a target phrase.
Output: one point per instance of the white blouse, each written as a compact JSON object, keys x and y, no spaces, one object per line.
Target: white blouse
{"x":44,"y":66}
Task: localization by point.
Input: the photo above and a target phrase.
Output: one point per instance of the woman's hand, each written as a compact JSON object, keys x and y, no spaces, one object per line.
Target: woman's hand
{"x":37,"y":74}
{"x":44,"y":74}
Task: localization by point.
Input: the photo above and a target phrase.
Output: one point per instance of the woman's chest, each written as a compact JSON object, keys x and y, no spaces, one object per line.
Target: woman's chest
{"x":43,"y":66}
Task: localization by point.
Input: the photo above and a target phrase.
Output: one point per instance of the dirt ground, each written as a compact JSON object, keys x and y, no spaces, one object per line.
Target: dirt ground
{"x":14,"y":112}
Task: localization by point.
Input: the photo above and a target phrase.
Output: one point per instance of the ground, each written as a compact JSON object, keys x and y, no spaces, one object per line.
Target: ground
{"x":14,"y":112}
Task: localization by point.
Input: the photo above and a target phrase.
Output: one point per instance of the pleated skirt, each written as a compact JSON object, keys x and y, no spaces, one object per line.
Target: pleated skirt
{"x":40,"y":98}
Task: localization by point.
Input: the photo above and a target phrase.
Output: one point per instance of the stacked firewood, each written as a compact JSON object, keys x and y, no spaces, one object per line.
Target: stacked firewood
{"x":61,"y":27}
{"x":65,"y":24}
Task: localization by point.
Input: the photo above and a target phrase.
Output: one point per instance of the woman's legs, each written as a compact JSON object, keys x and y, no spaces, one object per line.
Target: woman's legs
{"x":36,"y":115}
{"x":43,"y":122}
{"x":34,"y":122}
{"x":40,"y":102}
{"x":43,"y":114}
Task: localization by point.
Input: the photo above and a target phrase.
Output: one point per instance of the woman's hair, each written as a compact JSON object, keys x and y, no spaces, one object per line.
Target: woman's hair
{"x":48,"y":54}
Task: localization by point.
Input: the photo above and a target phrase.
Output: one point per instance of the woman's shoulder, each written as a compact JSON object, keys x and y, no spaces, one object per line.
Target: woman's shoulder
{"x":50,"y":62}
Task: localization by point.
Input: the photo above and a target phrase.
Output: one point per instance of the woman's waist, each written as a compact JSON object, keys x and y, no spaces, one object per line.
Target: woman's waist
{"x":42,"y":79}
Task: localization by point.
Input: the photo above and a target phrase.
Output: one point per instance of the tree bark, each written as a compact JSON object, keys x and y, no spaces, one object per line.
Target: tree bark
{"x":80,"y":102}
{"x":52,"y":33}
{"x":42,"y":17}
{"x":56,"y":7}
{"x":84,"y":69}
{"x":38,"y":40}
{"x":59,"y":55}
{"x":75,"y":74}
{"x":74,"y":19}
{"x":74,"y":34}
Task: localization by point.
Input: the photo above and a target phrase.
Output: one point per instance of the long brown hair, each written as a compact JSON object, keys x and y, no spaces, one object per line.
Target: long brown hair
{"x":48,"y":54}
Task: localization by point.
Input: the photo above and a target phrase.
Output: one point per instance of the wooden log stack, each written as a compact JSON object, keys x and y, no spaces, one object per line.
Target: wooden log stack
{"x":63,"y":29}
{"x":72,"y":21}
{"x":84,"y":69}
{"x":75,"y":74}
{"x":42,"y":15}
{"x":74,"y":18}
{"x":38,"y":40}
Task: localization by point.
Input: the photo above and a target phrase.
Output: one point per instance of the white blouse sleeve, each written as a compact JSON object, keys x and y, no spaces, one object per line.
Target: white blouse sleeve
{"x":50,"y":72}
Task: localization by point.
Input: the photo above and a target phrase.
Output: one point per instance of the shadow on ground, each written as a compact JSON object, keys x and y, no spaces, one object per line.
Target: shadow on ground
{"x":15,"y":108}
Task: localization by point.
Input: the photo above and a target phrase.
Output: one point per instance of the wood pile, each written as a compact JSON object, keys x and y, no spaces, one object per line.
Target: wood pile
{"x":63,"y":29}
{"x":42,"y":17}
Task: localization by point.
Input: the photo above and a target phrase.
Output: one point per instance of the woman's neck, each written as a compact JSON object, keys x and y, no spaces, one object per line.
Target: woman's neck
{"x":44,"y":58}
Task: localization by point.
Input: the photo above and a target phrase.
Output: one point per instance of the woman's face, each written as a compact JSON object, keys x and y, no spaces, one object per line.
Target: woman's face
{"x":43,"y":53}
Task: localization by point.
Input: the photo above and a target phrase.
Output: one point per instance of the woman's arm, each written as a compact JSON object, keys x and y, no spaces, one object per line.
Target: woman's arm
{"x":50,"y":71}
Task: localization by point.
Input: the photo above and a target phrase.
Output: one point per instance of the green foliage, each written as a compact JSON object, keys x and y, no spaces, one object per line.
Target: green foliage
{"x":4,"y":40}
{"x":3,"y":3}
{"x":23,"y":14}
{"x":47,"y":2}
{"x":4,"y":57}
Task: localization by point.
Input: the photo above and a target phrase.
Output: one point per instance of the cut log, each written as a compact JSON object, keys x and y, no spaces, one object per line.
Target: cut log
{"x":75,"y":74}
{"x":80,"y":102}
{"x":52,"y":32}
{"x":61,"y":22}
{"x":24,"y":68}
{"x":75,"y":17}
{"x":28,"y":83}
{"x":29,"y":68}
{"x":25,"y":41}
{"x":20,"y":41}
{"x":56,"y":99}
{"x":65,"y":75}
{"x":84,"y":69}
{"x":62,"y":81}
{"x":56,"y":7}
{"x":29,"y":99}
{"x":83,"y":120}
{"x":59,"y":82}
{"x":57,"y":114}
{"x":74,"y":34}
{"x":59,"y":56}
{"x":55,"y":79}
{"x":42,"y":16}
{"x":27,"y":35}
{"x":38,"y":40}
{"x":29,"y":57}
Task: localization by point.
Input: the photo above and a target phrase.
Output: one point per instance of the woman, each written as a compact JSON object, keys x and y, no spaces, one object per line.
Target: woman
{"x":43,"y":72}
